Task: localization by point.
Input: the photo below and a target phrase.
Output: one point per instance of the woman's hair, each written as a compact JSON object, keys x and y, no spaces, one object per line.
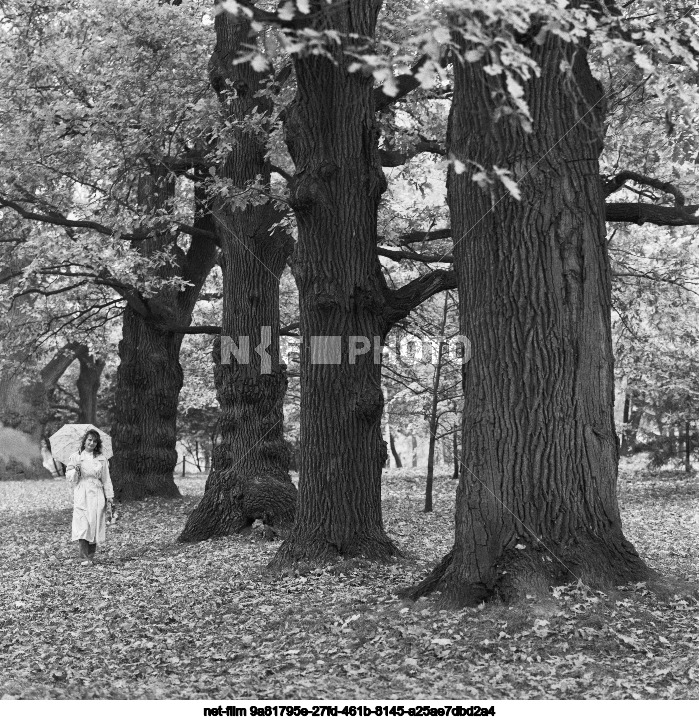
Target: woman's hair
{"x":96,"y":436}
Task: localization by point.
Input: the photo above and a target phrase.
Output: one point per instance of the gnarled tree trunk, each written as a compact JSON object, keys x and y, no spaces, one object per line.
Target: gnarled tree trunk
{"x":149,"y":380}
{"x":249,"y":477}
{"x":536,"y":503}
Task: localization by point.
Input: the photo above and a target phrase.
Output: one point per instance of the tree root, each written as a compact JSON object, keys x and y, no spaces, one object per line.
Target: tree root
{"x":130,"y":486}
{"x":232,"y":504}
{"x":532,"y":571}
{"x":318,"y":550}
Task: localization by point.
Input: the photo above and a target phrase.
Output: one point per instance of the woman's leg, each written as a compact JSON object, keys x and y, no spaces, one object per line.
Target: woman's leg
{"x":91,"y":548}
{"x":84,"y":548}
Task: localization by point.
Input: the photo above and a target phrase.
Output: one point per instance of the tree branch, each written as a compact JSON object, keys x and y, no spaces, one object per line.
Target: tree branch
{"x":401,"y":301}
{"x":181,"y":164}
{"x":678,"y":215}
{"x":252,"y":12}
{"x":213,"y":329}
{"x":407,"y":82}
{"x":286,"y":329}
{"x":280,"y":171}
{"x":618,"y":181}
{"x":394,"y":158}
{"x":420,"y":257}
{"x":422,"y":236}
{"x":640,"y":213}
{"x":654,"y":279}
{"x":47,"y":293}
{"x":61,"y":220}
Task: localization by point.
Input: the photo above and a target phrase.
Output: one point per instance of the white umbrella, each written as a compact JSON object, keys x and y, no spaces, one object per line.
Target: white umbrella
{"x":67,"y":441}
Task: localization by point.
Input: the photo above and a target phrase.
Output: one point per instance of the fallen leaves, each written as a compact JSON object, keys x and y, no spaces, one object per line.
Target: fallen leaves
{"x":157,"y":619}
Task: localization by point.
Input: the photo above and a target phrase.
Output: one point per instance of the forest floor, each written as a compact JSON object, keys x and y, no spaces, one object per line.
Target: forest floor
{"x":158,"y":619}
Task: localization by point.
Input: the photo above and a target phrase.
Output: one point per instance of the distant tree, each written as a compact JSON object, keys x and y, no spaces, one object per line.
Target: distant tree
{"x":88,"y":384}
{"x":656,"y":340}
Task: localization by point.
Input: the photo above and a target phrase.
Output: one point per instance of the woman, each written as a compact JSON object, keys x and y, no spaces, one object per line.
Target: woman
{"x":93,"y":495}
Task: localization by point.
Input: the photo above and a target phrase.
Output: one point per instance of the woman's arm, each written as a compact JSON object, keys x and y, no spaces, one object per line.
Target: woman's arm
{"x":73,"y":470}
{"x":107,"y":481}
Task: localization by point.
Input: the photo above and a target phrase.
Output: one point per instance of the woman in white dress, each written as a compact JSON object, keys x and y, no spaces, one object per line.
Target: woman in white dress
{"x":93,"y":495}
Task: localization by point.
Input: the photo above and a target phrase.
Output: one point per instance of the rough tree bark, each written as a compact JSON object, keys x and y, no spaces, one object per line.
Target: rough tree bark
{"x":249,"y":477}
{"x":149,"y":377}
{"x":331,"y":133}
{"x":149,"y":380}
{"x":346,"y":309}
{"x":536,"y":503}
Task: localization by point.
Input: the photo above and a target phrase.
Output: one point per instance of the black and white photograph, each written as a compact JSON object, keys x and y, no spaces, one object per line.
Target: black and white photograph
{"x":349,"y":358}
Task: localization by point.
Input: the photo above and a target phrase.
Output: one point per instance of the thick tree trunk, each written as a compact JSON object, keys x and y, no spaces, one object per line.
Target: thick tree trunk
{"x":88,"y":385}
{"x":536,"y":504}
{"x":149,"y":380}
{"x":149,"y":377}
{"x":687,"y":448}
{"x":249,"y":477}
{"x":332,"y":137}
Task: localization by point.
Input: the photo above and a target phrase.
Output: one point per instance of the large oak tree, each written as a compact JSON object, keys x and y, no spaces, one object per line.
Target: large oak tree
{"x":346,"y":307}
{"x":249,"y":479}
{"x":536,"y":502}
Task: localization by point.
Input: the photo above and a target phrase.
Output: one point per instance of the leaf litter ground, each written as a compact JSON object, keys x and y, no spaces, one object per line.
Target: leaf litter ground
{"x":158,"y":619}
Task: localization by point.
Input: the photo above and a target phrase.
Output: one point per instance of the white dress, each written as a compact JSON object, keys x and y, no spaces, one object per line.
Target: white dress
{"x":90,"y":491}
